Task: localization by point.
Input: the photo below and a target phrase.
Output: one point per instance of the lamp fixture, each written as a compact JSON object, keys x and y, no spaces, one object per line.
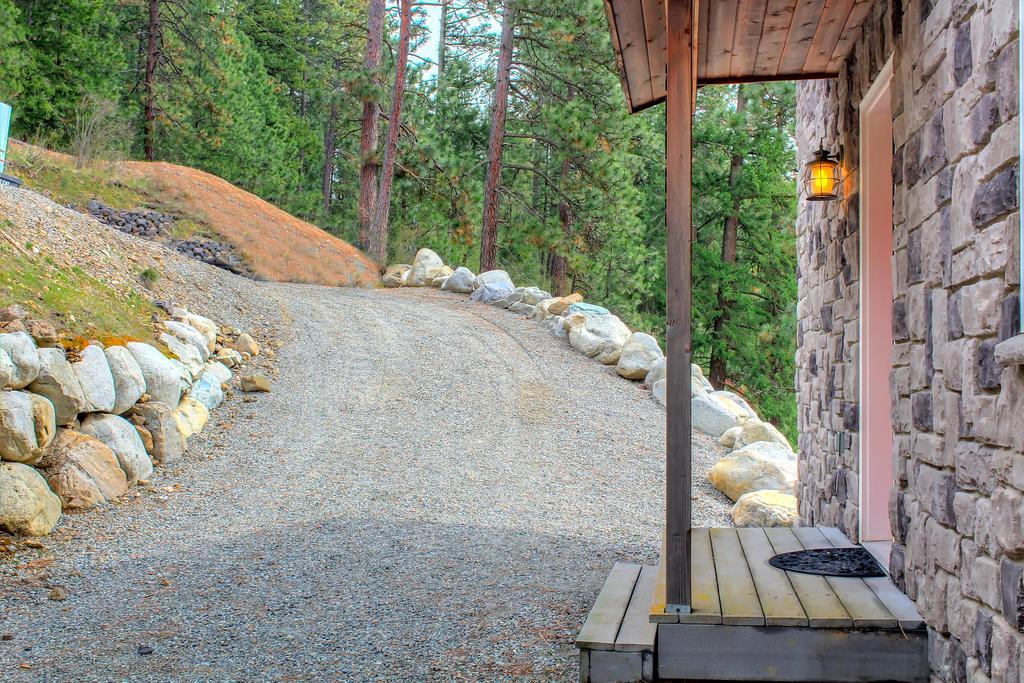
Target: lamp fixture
{"x":822,"y":177}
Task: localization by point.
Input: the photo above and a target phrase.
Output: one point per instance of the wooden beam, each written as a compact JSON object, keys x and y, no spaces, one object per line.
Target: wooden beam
{"x":680,"y":97}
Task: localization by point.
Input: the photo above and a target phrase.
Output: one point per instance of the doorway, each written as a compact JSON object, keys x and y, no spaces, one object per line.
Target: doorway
{"x":876,"y":193}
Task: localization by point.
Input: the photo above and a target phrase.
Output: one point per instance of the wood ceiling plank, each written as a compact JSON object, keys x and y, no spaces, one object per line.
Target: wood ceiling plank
{"x":618,"y":54}
{"x":830,"y":29}
{"x":851,"y":32}
{"x":654,"y":27}
{"x":629,"y":26}
{"x":750,"y":17}
{"x":777,"y":20}
{"x":722,"y":20}
{"x":801,"y":33}
{"x":702,"y":37}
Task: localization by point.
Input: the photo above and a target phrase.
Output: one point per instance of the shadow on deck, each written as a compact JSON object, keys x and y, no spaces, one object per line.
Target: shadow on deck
{"x":751,"y":621}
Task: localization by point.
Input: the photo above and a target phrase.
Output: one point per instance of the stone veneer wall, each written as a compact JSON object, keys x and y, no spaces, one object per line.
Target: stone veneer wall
{"x":957,"y":510}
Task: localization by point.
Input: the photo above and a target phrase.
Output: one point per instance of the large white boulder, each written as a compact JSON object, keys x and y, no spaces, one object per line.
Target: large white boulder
{"x":498,"y":278}
{"x":520,"y":308}
{"x":186,"y":353}
{"x":425,"y":261}
{"x":753,"y":431}
{"x":461,"y":281}
{"x":638,"y":356}
{"x":129,"y":382}
{"x":163,"y":382}
{"x":27,"y":426}
{"x":82,"y":470}
{"x":207,"y":389}
{"x":601,"y":337}
{"x":97,"y":382}
{"x":27,"y":505}
{"x":659,"y":391}
{"x":24,"y":356}
{"x":766,"y":508}
{"x":759,"y":466}
{"x":218,"y":370}
{"x":533,"y":295}
{"x":189,"y":335}
{"x":6,"y":369}
{"x":698,"y":376}
{"x":121,"y":437}
{"x":58,"y":382}
{"x":657,"y":371}
{"x":735,"y":402}
{"x":490,"y":293}
{"x":713,"y":415}
{"x":205,"y":326}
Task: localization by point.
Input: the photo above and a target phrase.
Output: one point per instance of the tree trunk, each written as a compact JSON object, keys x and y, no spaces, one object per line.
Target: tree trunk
{"x":442,"y":45}
{"x":152,"y":54}
{"x":730,"y":239}
{"x":371,"y":114}
{"x":379,"y":230}
{"x":495,"y":147}
{"x":330,"y":142}
{"x":559,"y":262}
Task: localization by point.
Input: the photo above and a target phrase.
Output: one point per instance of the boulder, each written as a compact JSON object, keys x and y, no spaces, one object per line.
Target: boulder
{"x":697,"y":373}
{"x":601,"y":337}
{"x":713,"y":416}
{"x":499,"y":278}
{"x":767,"y":508}
{"x":588,"y":310}
{"x":556,"y":328}
{"x":422,"y":264}
{"x":438,"y":282}
{"x":205,"y":326}
{"x":27,"y":505}
{"x":639,"y":354}
{"x":13,"y":312}
{"x":27,"y":426}
{"x":562,"y":303}
{"x":190,"y":417}
{"x":43,"y":333}
{"x":735,"y":402}
{"x":158,"y":419}
{"x":657,"y":371}
{"x":488,"y":293}
{"x":697,"y":387}
{"x":58,"y":382}
{"x":186,"y":353}
{"x":659,"y":391}
{"x":753,"y":431}
{"x":572,"y":320}
{"x":513,"y":297}
{"x":22,"y":353}
{"x":163,"y":383}
{"x":395,"y":275}
{"x":218,"y":370}
{"x":129,"y":383}
{"x":436,"y":273}
{"x":207,"y":390}
{"x":121,"y":437}
{"x":520,"y":308}
{"x":533,"y":296}
{"x":246,"y":344}
{"x":255,"y":382}
{"x":229,"y":358}
{"x":461,"y":281}
{"x":729,"y":437}
{"x":97,"y":382}
{"x":189,"y":335}
{"x":6,"y":369}
{"x":82,"y":470}
{"x":540,"y":311}
{"x":759,"y":466}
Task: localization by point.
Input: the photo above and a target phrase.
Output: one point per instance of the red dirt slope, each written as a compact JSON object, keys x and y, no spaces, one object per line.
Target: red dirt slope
{"x":277,"y":245}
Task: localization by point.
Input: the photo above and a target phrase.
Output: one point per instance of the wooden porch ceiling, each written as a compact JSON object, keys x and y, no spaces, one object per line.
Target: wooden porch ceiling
{"x":738,"y":41}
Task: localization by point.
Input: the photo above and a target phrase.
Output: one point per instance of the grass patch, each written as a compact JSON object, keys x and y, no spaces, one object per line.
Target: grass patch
{"x":75,"y":303}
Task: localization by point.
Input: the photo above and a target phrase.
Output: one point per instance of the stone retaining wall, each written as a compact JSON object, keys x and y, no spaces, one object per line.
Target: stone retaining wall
{"x":957,"y":510}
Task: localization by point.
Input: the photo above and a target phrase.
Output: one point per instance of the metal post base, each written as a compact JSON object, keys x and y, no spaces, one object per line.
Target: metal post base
{"x":678,"y":609}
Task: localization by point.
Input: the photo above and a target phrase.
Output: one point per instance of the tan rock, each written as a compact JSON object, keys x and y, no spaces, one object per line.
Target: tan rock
{"x":436,"y":273}
{"x":27,"y":505}
{"x":246,"y":344}
{"x":767,"y":508}
{"x":158,"y":419}
{"x":395,"y":275}
{"x":43,"y":333}
{"x":27,"y":425}
{"x":82,"y":470}
{"x":753,"y":431}
{"x":190,"y":417}
{"x":255,"y":382}
{"x":761,"y":465}
{"x":563,"y":303}
{"x":638,"y":356}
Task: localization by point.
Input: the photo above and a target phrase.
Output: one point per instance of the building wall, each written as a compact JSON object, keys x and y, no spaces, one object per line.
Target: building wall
{"x":957,"y":509}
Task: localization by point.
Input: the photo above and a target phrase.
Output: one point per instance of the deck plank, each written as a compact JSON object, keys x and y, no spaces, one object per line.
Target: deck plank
{"x":740,"y":606}
{"x":602,"y":624}
{"x":864,"y":607}
{"x":900,"y":605}
{"x":823,"y":607}
{"x":707,"y":608}
{"x":657,"y":613}
{"x":637,"y":632}
{"x":779,"y":600}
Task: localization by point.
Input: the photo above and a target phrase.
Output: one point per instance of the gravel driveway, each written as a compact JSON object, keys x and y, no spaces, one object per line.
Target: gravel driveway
{"x":435,"y":490}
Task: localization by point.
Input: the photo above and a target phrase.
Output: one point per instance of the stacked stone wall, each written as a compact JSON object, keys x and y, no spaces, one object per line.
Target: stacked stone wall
{"x":957,"y":507}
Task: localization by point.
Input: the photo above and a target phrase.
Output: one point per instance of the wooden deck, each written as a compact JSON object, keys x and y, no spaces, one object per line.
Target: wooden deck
{"x":753,"y":622}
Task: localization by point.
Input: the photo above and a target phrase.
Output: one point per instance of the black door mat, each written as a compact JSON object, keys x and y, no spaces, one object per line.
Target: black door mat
{"x":856,"y":562}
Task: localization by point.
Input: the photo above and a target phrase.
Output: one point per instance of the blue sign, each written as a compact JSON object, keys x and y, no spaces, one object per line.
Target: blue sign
{"x":5,"y":129}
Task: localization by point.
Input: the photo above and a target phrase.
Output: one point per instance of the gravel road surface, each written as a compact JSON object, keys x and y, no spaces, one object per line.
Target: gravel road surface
{"x":434,"y":490}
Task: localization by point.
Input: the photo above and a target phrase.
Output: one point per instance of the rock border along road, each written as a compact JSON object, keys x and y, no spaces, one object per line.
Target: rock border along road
{"x":434,"y":490}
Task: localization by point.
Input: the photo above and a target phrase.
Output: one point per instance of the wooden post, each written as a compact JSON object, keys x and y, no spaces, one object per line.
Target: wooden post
{"x":679,"y":106}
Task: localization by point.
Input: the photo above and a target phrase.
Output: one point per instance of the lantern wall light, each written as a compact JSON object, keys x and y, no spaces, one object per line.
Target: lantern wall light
{"x":822,"y":177}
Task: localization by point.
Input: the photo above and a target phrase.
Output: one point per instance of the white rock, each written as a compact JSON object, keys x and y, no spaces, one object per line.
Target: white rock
{"x":766,"y":508}
{"x":205,"y":326}
{"x":437,"y":273}
{"x":658,"y":371}
{"x":697,"y":373}
{"x":121,"y":437}
{"x":498,"y":278}
{"x":186,"y":353}
{"x":219,"y":371}
{"x":533,"y":295}
{"x":191,"y":417}
{"x":129,"y":382}
{"x":421,"y":266}
{"x":6,"y":369}
{"x":461,"y":281}
{"x":27,"y":426}
{"x":733,"y":399}
{"x":509,"y":299}
{"x":541,"y":312}
{"x":600,"y":337}
{"x":207,"y":390}
{"x":753,"y":431}
{"x":729,"y":437}
{"x":163,"y":382}
{"x":519,"y":308}
{"x":93,"y":374}
{"x":488,"y":294}
{"x":58,"y":382}
{"x":556,"y":328}
{"x":27,"y":505}
{"x":438,"y":282}
{"x":189,"y":335}
{"x":713,"y":416}
{"x":22,"y":353}
{"x":660,"y":392}
{"x":638,"y":356}
{"x":229,"y":357}
{"x":759,"y":466}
